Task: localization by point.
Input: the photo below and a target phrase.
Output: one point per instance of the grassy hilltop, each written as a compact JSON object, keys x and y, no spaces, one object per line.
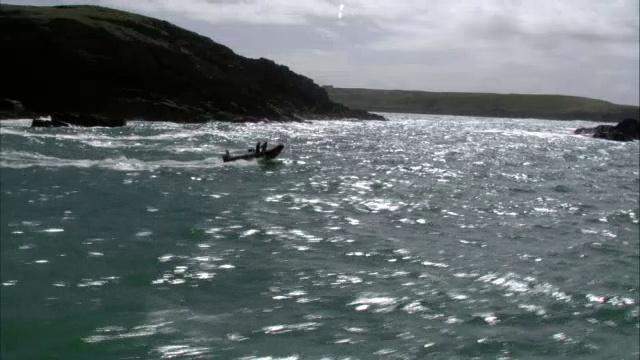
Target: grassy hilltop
{"x":483,"y":104}
{"x":96,"y":60}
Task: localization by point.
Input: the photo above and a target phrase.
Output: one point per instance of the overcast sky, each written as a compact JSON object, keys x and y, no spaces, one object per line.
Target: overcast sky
{"x":572,"y":47}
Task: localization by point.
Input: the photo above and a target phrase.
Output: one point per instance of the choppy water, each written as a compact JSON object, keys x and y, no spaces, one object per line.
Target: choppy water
{"x":422,"y":237}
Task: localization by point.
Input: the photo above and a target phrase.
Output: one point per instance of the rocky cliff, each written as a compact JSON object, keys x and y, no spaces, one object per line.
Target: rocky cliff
{"x":96,"y":60}
{"x":625,"y":130}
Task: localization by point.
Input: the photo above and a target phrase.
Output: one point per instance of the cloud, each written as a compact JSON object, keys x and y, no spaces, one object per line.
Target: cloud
{"x":281,"y":12}
{"x":416,"y":24}
{"x":486,"y":21}
{"x":607,"y":19}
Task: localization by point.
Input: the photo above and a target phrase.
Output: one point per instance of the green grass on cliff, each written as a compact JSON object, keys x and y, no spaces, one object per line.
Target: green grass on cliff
{"x":80,"y":13}
{"x":124,"y":25}
{"x":482,"y":104}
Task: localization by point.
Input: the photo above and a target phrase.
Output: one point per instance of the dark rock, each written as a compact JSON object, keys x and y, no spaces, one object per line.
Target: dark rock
{"x":626,"y":130}
{"x":631,"y":127}
{"x":13,"y":109}
{"x":592,"y":131}
{"x":95,"y":60}
{"x":361,"y":114}
{"x":87,"y":120}
{"x":8,"y":105}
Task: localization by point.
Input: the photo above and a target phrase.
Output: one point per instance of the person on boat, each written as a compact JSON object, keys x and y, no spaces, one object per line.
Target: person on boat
{"x":226,"y":153}
{"x":264,"y":147}
{"x":258,"y":148}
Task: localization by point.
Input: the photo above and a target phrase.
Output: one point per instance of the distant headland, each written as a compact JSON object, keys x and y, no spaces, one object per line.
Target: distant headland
{"x":99,"y":62}
{"x":552,"y":107}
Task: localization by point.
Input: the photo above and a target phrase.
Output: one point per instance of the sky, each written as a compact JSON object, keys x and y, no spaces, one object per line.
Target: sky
{"x":570,"y":47}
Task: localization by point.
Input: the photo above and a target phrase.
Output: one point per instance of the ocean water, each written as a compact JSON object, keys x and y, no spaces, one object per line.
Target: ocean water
{"x":421,"y":237}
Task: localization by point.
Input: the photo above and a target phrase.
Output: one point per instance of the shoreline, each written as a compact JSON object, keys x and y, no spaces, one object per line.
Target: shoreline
{"x":311,"y":120}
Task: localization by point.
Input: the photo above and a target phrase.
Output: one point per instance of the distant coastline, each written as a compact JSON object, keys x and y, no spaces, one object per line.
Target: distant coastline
{"x":552,"y":107}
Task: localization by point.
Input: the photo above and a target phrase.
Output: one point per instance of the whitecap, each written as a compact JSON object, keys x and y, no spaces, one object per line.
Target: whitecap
{"x":249,"y":233}
{"x":352,"y":221}
{"x":435,"y":264}
{"x":377,"y":205}
{"x":281,"y":329}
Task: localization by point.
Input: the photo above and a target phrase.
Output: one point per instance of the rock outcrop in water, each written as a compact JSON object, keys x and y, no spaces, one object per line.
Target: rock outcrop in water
{"x":626,"y":130}
{"x":100,"y":61}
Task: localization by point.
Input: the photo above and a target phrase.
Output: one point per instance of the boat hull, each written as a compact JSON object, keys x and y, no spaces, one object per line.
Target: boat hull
{"x":267,"y":155}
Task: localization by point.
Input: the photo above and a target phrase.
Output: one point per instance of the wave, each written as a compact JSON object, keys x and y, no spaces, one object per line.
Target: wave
{"x":143,"y":137}
{"x":94,"y":134}
{"x":22,"y":160}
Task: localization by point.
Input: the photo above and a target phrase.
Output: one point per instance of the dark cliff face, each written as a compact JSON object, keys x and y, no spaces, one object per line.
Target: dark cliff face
{"x":89,"y":59}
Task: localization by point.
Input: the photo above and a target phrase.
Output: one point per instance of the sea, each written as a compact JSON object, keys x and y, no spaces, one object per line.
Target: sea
{"x":421,"y":237}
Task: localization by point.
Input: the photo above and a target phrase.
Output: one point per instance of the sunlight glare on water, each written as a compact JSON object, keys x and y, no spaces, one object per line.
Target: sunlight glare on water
{"x":424,"y":236}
